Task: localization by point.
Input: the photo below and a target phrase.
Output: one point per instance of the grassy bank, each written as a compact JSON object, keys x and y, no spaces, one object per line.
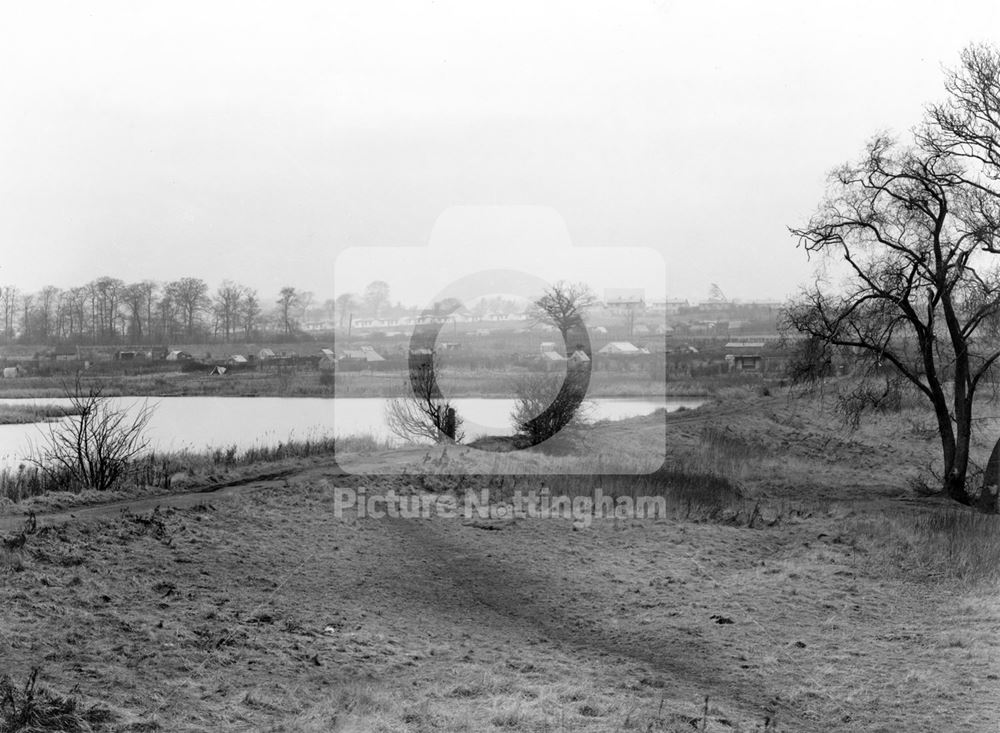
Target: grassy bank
{"x":22,"y":414}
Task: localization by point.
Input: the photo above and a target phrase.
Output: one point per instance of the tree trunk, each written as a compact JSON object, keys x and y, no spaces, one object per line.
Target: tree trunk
{"x":956,"y":469}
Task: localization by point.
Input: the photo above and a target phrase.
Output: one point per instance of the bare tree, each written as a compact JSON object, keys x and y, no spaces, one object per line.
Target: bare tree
{"x":376,"y":297}
{"x":563,"y":305}
{"x":227,"y":300}
{"x":8,"y":303}
{"x":923,"y":294}
{"x":287,"y":301}
{"x":966,"y":127}
{"x":422,"y":412}
{"x":189,"y":296}
{"x":249,"y":312}
{"x":96,"y":447}
{"x":134,"y":297}
{"x":343,"y":306}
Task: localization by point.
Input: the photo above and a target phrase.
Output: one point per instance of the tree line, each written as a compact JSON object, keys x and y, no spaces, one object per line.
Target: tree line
{"x":108,"y":310}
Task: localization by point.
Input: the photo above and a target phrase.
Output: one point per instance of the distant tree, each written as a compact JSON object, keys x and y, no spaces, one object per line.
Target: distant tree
{"x":136,"y":303}
{"x":227,"y":301}
{"x":563,"y":305}
{"x":190,"y":298}
{"x":76,"y":308}
{"x":8,"y":306}
{"x":287,"y":301}
{"x":105,"y":294}
{"x":376,"y":297}
{"x":249,"y":313}
{"x":47,"y":304}
{"x":344,"y":305}
{"x":305,"y":302}
{"x":27,"y":301}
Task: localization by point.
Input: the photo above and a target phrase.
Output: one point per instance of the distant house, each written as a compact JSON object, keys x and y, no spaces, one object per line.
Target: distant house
{"x":745,"y":362}
{"x":64,"y":353}
{"x":177,"y":355}
{"x":552,"y":359}
{"x":622,"y":348}
{"x":11,"y":372}
{"x":578,"y":357}
{"x":265,"y":354}
{"x":744,"y":356}
{"x":237,"y":359}
{"x":668,"y":306}
{"x":327,"y":354}
{"x":364,"y":354}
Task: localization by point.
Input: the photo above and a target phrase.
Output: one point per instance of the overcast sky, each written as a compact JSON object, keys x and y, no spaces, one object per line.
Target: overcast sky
{"x":256,"y":141}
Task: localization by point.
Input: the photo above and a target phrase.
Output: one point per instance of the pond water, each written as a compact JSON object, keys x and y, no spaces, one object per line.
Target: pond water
{"x":200,"y":423}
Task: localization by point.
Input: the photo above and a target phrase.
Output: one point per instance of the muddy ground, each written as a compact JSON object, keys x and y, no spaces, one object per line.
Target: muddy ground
{"x":259,"y":609}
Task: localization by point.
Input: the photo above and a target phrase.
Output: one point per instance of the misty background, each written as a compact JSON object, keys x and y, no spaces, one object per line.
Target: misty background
{"x":257,"y":141}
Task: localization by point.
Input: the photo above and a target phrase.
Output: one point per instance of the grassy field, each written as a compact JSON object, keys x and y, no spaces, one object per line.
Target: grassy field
{"x":795,"y":581}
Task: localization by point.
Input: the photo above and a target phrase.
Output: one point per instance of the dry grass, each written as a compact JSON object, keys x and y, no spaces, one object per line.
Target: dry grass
{"x":32,"y":708}
{"x":950,"y":543}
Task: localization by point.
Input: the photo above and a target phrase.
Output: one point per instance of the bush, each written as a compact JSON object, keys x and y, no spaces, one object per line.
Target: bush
{"x":97,"y":447}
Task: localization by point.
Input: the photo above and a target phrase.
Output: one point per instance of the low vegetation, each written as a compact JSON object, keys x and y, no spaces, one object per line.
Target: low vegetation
{"x":33,"y":708}
{"x":15,"y":414}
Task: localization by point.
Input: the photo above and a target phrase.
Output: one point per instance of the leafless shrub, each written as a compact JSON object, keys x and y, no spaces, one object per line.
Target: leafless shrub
{"x":98,"y":446}
{"x":423,"y":412}
{"x":868,"y":396}
{"x":547,"y":405}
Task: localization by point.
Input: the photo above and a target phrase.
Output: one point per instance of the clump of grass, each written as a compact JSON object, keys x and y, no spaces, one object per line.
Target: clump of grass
{"x":31,"y":708}
{"x":956,"y":544}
